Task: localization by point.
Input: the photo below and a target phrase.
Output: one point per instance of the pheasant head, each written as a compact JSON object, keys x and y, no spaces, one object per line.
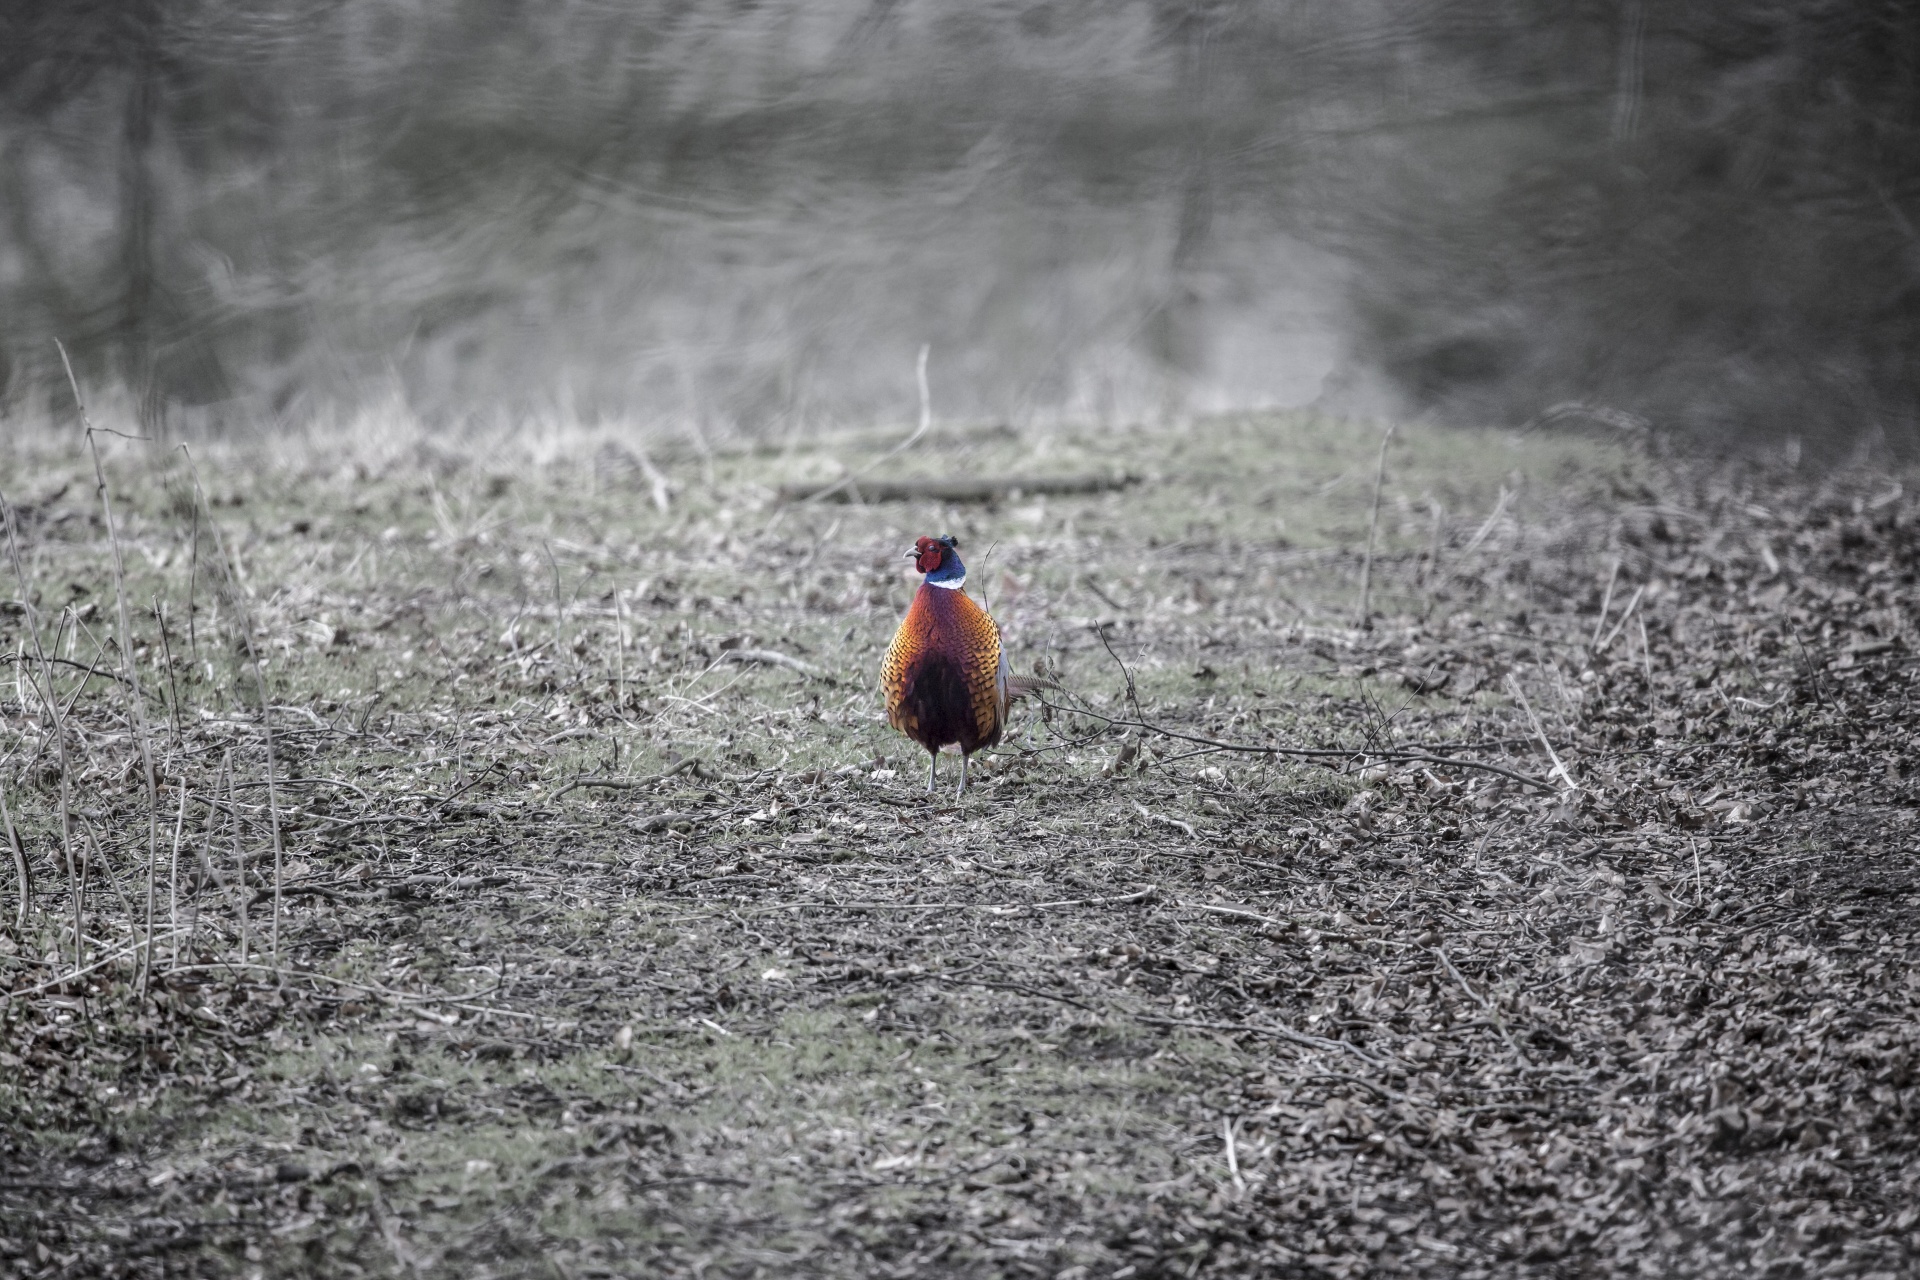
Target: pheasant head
{"x":939,"y":559}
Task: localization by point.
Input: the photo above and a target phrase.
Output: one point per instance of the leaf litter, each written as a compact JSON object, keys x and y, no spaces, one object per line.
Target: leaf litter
{"x":616,"y":936}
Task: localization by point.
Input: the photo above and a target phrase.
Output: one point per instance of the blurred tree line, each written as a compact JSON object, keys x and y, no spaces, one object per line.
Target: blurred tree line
{"x":746,"y":215}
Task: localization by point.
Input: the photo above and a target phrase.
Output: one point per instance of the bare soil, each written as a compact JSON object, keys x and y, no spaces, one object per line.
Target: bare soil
{"x":612,"y":933}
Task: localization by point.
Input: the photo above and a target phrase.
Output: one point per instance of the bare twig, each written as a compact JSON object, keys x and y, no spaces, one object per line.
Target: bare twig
{"x":962,"y":489}
{"x":1233,"y":1158}
{"x":926,"y":424}
{"x":626,"y":784}
{"x":238,"y":589}
{"x":661,"y":491}
{"x":1139,"y":895}
{"x":99,"y":855}
{"x":1813,"y":671}
{"x":1433,"y":552}
{"x":1270,"y":922}
{"x":21,"y":870}
{"x":1018,"y":987}
{"x":1087,"y":581}
{"x":89,"y":669}
{"x":769,"y":658}
{"x":1324,"y":754}
{"x":54,"y":984}
{"x":1541,"y":733}
{"x":1493,"y":1010}
{"x":1166,"y":821}
{"x":561,"y":651}
{"x":131,"y":668}
{"x":1133,"y":699}
{"x":57,"y":715}
{"x":1632,"y":603}
{"x":173,"y":880}
{"x":207,"y":869}
{"x":239,"y":859}
{"x":1493,"y":518}
{"x":619,"y":651}
{"x":1373,"y":526}
{"x":173,"y":685}
{"x":1461,"y":978}
{"x":1606,"y":602}
{"x":193,"y":579}
{"x":1147,"y":894}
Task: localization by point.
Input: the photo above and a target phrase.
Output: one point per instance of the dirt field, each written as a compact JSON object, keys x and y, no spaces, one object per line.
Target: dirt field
{"x":589,"y":920}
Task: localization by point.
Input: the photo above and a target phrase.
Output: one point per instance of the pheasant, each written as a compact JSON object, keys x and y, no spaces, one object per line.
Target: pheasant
{"x":945,"y":676}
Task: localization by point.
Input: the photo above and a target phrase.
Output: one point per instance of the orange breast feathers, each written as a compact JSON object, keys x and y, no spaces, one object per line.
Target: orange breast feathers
{"x":945,"y":677}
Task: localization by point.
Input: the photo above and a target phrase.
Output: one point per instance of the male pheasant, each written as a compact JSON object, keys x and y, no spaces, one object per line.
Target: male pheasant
{"x":945,"y":676}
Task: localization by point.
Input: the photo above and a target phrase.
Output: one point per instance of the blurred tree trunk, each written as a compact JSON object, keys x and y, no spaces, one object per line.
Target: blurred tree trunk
{"x":136,"y":329}
{"x":1173,"y":334}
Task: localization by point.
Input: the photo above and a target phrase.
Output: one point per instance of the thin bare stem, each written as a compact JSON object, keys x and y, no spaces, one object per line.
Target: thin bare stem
{"x":661,"y":490}
{"x":239,"y":860}
{"x":173,"y":685}
{"x":1541,"y":733}
{"x":113,"y":881}
{"x":193,"y":578}
{"x":561,"y":652}
{"x":137,"y":702}
{"x":58,"y":716}
{"x":20,"y":869}
{"x":207,"y":869}
{"x":619,"y":651}
{"x":1487,"y":526}
{"x":1373,"y":528}
{"x":173,"y":880}
{"x":1133,"y":698}
{"x":1233,"y":1157}
{"x":1632,"y":604}
{"x":1606,"y":602}
{"x":234,"y":584}
{"x":1433,"y":550}
{"x":926,"y":424}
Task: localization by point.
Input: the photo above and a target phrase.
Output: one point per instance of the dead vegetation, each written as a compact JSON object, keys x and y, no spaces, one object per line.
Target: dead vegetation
{"x":609,"y":933}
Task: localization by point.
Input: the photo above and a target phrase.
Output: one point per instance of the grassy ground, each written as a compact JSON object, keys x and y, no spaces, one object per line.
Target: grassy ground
{"x":748,"y":1003}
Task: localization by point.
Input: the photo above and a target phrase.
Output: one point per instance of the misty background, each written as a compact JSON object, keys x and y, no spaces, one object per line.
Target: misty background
{"x":741,"y":218}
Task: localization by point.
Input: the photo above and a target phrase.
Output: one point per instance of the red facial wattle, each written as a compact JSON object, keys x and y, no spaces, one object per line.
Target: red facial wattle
{"x":929,"y":555}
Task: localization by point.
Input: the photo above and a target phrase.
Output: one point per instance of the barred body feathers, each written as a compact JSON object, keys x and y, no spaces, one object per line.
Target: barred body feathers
{"x":945,"y":675}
